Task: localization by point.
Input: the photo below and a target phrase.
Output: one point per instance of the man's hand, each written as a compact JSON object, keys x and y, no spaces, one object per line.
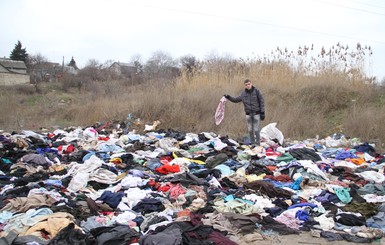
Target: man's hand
{"x":262,"y":116}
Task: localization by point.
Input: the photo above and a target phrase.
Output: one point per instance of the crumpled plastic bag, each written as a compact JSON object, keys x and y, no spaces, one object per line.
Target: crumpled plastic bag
{"x":270,"y":132}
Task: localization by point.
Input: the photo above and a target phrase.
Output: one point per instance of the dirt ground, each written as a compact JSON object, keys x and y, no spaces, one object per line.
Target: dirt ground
{"x":305,"y":238}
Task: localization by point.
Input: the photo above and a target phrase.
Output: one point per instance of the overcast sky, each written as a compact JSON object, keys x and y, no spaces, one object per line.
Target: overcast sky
{"x":119,"y":29}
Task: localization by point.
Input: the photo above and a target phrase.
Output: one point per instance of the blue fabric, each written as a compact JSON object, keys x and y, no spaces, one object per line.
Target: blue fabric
{"x":108,"y":147}
{"x":330,"y":152}
{"x":136,"y":172}
{"x":229,"y":198}
{"x":278,"y":184}
{"x":111,"y":198}
{"x":225,"y":170}
{"x":153,"y":163}
{"x":297,"y":184}
{"x":103,"y":156}
{"x":327,"y":197}
{"x":88,"y":156}
{"x":302,"y":215}
{"x":318,"y":146}
{"x":194,"y":165}
{"x":234,"y":165}
{"x":342,"y":155}
{"x":6,"y":161}
{"x":53,"y":182}
{"x":303,"y":204}
{"x":46,"y":150}
{"x":365,"y":147}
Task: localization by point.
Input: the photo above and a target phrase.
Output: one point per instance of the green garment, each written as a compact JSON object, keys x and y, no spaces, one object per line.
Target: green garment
{"x":285,"y":157}
{"x":236,"y":206}
{"x":212,"y":162}
{"x":366,"y":209}
{"x":343,"y":194}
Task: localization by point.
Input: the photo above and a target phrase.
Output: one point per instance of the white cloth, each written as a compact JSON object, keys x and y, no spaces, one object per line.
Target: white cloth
{"x":372,"y":176}
{"x":374,"y":198}
{"x":168,"y":144}
{"x":81,"y":173}
{"x":131,"y":181}
{"x":312,"y":168}
{"x":325,"y":223}
{"x":134,"y":195}
{"x":218,"y":144}
{"x":123,"y":218}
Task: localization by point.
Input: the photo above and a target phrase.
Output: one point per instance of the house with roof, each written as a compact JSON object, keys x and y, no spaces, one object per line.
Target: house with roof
{"x":13,"y":72}
{"x":128,"y":70}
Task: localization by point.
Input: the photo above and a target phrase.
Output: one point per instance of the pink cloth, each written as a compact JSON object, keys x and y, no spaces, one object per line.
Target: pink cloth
{"x":177,"y":190}
{"x":220,"y":112}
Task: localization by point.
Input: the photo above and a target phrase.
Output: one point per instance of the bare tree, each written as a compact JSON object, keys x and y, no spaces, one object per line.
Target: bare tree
{"x":137,"y":61}
{"x":92,"y":71}
{"x":40,"y":69}
{"x":160,"y":65}
{"x":189,"y":63}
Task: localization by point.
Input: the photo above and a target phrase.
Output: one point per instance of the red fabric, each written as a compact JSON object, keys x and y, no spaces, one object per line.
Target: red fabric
{"x":104,"y":138}
{"x":151,"y":182}
{"x":66,"y":149}
{"x":271,"y":152}
{"x":164,"y":188}
{"x":165,"y":169}
{"x":165,"y":159}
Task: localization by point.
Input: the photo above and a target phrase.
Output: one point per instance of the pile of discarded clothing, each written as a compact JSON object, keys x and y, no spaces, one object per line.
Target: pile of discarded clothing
{"x":108,"y":185}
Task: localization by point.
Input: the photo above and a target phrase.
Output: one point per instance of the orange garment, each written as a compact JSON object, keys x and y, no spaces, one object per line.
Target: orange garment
{"x":116,"y":160}
{"x":357,"y":161}
{"x":184,"y":213}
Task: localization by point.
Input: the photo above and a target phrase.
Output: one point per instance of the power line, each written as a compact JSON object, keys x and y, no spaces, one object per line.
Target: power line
{"x":257,"y":22}
{"x":367,"y":4}
{"x":347,"y":7}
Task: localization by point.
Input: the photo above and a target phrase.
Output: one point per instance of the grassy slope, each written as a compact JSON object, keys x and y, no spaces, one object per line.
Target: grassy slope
{"x":303,"y":106}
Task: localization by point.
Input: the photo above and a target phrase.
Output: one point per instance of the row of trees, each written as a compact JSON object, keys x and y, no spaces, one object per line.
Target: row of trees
{"x":159,"y":66}
{"x":162,"y":67}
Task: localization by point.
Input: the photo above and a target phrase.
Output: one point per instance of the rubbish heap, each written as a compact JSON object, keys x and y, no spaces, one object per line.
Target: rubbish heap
{"x":107,"y":184}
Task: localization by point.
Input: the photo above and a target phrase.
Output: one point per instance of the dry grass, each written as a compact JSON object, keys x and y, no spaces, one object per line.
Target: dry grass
{"x":303,"y":106}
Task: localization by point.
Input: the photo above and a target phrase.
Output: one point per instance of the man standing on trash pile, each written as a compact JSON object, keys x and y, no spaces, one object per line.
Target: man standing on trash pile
{"x":254,"y":107}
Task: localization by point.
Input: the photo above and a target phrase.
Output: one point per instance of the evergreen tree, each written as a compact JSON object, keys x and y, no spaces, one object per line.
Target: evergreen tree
{"x":73,"y":64}
{"x":19,"y":53}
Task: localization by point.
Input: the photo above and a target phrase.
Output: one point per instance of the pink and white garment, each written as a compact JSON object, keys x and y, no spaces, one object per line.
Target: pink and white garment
{"x":220,"y":112}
